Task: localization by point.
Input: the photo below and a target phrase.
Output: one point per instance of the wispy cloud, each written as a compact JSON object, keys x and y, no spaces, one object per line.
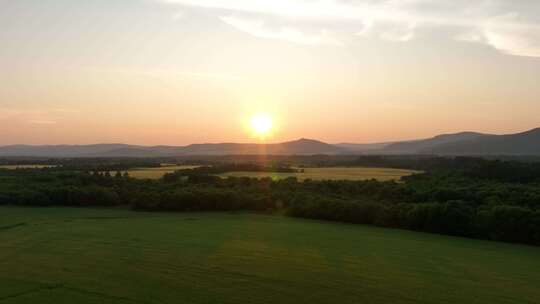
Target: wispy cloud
{"x":259,"y":28}
{"x":510,"y":27}
{"x":179,"y":15}
{"x":390,"y":31}
{"x":515,"y":39}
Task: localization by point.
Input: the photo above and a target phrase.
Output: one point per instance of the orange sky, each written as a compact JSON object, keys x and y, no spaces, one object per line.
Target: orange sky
{"x":181,"y":71}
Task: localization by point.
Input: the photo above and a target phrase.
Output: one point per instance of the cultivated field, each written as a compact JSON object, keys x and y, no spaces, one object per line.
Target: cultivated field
{"x":333,"y":173}
{"x":156,"y":173}
{"x":13,"y":167}
{"x":63,"y":255}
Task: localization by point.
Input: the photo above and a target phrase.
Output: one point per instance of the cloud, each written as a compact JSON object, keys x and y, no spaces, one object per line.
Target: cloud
{"x":259,"y":28}
{"x":389,"y":31}
{"x":508,"y":36}
{"x":471,"y":36}
{"x":508,"y":26}
{"x":179,"y":15}
{"x":290,"y":8}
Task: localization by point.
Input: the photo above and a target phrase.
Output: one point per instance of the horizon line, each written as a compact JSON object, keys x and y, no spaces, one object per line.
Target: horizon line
{"x":261,"y":143}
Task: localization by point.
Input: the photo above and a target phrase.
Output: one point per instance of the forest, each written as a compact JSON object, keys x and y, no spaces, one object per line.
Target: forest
{"x":469,"y":197}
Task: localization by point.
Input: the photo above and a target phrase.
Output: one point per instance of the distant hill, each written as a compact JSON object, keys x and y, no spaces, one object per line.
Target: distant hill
{"x":464,"y":143}
{"x":60,"y":150}
{"x":133,"y":151}
{"x":298,"y":147}
{"x":526,"y":143}
{"x":363,"y":148}
{"x":427,"y":145}
{"x":305,"y":146}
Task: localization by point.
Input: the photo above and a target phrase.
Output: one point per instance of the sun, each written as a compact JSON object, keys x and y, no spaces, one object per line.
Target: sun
{"x":261,"y":124}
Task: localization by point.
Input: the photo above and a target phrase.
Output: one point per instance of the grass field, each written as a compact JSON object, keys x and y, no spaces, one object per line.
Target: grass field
{"x":156,"y":173}
{"x":63,"y":255}
{"x":333,"y":173}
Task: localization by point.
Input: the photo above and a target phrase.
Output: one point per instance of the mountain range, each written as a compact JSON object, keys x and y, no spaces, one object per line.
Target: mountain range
{"x":464,"y":143}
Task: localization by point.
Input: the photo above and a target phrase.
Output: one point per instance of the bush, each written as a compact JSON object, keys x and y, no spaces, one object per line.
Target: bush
{"x":203,"y":199}
{"x":511,"y":224}
{"x":453,"y":218}
{"x":337,"y":210}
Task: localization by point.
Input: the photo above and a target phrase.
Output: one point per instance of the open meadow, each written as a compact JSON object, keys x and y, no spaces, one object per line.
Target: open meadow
{"x":332,"y":173}
{"x":67,"y":255}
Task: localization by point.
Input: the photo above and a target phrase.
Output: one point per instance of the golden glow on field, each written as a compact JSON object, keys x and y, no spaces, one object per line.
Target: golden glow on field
{"x":261,"y":124}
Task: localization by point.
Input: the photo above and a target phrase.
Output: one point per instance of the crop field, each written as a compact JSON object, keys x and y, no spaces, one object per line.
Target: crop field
{"x":13,"y":167}
{"x":65,"y":255}
{"x":156,"y":173}
{"x":333,"y":173}
{"x":329,"y":173}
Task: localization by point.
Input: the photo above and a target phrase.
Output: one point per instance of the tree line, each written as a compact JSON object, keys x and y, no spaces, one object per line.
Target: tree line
{"x":494,"y":200}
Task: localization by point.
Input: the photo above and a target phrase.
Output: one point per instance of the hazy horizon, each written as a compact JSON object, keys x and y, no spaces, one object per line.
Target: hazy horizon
{"x":176,"y":72}
{"x":255,"y":141}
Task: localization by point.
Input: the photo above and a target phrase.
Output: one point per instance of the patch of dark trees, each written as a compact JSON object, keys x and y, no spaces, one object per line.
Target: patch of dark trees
{"x":493,"y":200}
{"x":229,"y":167}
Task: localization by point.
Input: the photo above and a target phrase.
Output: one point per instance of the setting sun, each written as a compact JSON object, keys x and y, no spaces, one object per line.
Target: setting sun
{"x":252,"y":150}
{"x":261,"y":124}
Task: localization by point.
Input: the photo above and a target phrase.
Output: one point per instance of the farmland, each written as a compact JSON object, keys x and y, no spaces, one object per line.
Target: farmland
{"x":156,"y":173}
{"x":67,"y":255}
{"x":325,"y":173}
{"x":14,"y":167}
{"x":332,"y":173}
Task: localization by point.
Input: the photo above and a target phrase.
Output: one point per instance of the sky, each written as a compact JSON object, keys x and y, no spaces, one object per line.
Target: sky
{"x":175,"y":72}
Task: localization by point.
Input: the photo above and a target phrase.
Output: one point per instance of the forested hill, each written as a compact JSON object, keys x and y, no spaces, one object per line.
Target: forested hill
{"x":464,"y":143}
{"x":526,"y":143}
{"x":427,"y":145}
{"x":297,"y":147}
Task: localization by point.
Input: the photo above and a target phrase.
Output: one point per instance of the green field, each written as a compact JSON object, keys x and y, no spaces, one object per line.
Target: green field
{"x":156,"y":173}
{"x":333,"y":173}
{"x":329,"y":173}
{"x":63,"y":255}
